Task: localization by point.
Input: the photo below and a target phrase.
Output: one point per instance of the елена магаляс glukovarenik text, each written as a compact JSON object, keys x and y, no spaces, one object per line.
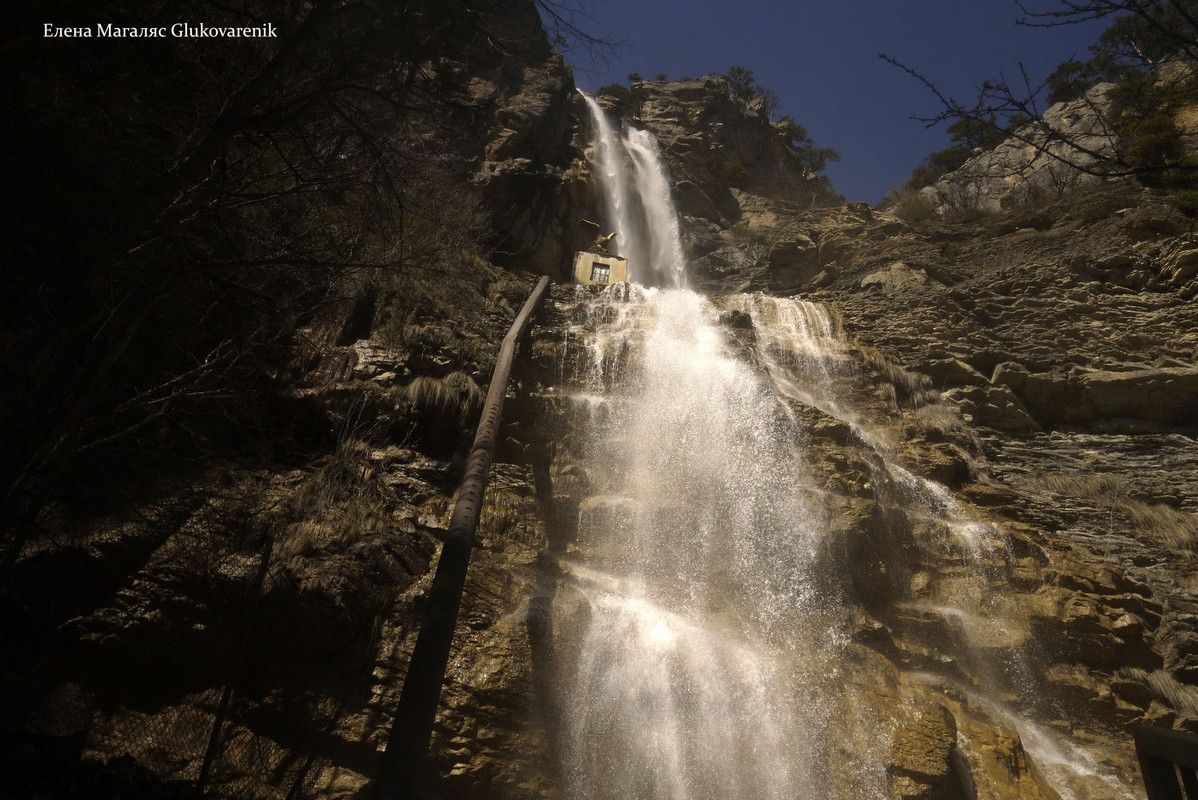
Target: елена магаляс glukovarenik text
{"x":180,"y":30}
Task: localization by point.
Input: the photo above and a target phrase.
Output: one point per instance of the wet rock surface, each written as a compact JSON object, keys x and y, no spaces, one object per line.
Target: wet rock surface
{"x":1038,"y":365}
{"x":1014,"y":615}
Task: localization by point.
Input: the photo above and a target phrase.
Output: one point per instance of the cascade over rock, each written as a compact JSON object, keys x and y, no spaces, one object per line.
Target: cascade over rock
{"x":1005,"y":630}
{"x":714,"y":144}
{"x":732,"y":169}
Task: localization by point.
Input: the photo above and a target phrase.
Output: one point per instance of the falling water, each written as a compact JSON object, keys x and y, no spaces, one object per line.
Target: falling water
{"x":707,"y":665}
{"x":665,"y":243}
{"x":706,"y":643}
{"x":706,"y":662}
{"x":640,"y":210}
{"x":614,"y":183}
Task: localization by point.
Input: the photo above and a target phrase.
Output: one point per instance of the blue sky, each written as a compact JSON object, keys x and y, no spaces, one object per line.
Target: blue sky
{"x":821,"y":58}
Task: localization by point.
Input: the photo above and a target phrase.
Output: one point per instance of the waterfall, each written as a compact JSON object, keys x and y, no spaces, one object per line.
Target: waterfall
{"x":706,"y":667}
{"x":614,"y":183}
{"x":707,"y":643}
{"x":664,"y":252}
{"x":641,"y":209}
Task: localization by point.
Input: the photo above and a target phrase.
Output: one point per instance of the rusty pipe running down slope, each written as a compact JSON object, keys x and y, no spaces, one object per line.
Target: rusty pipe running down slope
{"x":402,"y":773}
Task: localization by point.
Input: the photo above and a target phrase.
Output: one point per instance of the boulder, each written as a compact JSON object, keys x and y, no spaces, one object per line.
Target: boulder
{"x":896,"y":278}
{"x":1166,"y":395}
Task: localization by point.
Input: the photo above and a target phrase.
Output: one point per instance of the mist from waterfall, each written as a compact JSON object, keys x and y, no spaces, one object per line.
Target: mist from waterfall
{"x":639,"y":206}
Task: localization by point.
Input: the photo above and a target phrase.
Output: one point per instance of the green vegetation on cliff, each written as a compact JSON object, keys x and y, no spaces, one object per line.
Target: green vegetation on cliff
{"x":1142,"y":65}
{"x":742,"y":87}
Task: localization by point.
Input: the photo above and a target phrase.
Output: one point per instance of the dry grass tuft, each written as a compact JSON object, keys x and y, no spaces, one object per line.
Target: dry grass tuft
{"x":1113,"y":493}
{"x":914,"y":207}
{"x":455,"y":396}
{"x":504,"y":512}
{"x":1101,"y":486}
{"x":908,"y":389}
{"x":429,"y":337}
{"x":1177,"y":529}
{"x":1168,"y":690}
{"x":336,"y":505}
{"x":942,"y":417}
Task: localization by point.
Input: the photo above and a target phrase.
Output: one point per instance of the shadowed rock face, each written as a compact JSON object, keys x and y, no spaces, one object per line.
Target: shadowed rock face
{"x":519,"y":147}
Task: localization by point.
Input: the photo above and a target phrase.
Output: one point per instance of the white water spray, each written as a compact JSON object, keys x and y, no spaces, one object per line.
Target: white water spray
{"x":613,"y":181}
{"x":664,"y":251}
{"x":707,"y":667}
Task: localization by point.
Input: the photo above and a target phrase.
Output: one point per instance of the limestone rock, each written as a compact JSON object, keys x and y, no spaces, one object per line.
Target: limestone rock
{"x":521,"y":158}
{"x":992,"y":407}
{"x":1035,"y":163}
{"x":920,"y":749}
{"x":705,"y":132}
{"x":946,"y":372}
{"x":895,"y":278}
{"x":1180,"y":266}
{"x":1167,"y":395}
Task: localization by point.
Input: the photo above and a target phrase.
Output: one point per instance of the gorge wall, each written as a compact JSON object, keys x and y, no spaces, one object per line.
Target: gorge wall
{"x":1037,"y":366}
{"x":1002,"y":447}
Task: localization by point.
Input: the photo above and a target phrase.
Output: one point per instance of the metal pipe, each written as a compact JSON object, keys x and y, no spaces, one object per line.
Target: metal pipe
{"x":402,"y":774}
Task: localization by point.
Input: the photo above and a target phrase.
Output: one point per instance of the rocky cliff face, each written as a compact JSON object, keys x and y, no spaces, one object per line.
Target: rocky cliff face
{"x":732,"y":168}
{"x":721,"y":150}
{"x":1044,"y":160}
{"x":1063,"y":341}
{"x":1076,"y":144}
{"x":1038,"y":365}
{"x":1039,"y":368}
{"x":1056,"y":349}
{"x":520,"y":148}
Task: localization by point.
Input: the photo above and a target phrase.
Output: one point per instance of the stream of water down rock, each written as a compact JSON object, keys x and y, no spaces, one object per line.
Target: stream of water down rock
{"x":708,"y":630}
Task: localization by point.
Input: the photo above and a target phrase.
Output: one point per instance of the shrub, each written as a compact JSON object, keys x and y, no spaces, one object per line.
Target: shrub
{"x":736,"y":174}
{"x":912,"y":206}
{"x":1186,"y":202}
{"x":628,"y":101}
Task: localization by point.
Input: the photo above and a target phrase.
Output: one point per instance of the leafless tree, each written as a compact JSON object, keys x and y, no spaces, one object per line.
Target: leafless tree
{"x":1134,"y":54}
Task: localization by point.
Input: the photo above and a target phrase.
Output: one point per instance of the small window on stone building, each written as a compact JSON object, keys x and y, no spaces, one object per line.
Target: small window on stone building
{"x":600,"y":273}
